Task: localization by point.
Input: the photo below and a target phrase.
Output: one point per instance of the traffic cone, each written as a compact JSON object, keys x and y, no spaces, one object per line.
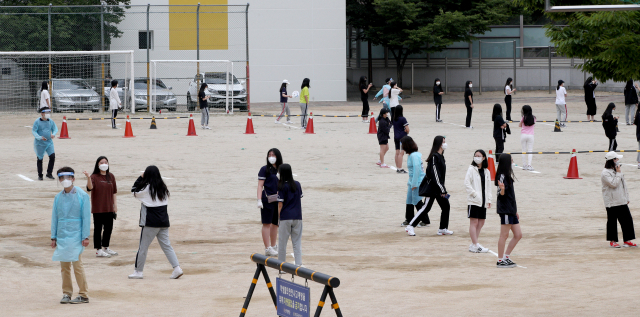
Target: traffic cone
{"x":128,"y":133}
{"x":310,"y":125}
{"x":64,"y":133}
{"x":192,"y":127}
{"x":572,"y":173}
{"x":557,"y":127}
{"x":492,"y":166}
{"x":249,"y":129}
{"x":153,"y":123}
{"x":372,"y":125}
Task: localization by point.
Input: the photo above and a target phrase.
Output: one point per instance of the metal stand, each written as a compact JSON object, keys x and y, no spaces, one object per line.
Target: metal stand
{"x":263,"y":270}
{"x":335,"y":306}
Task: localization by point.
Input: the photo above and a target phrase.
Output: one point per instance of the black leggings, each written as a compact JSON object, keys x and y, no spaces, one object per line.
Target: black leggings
{"x":100,"y":220}
{"x":52,"y":160}
{"x":408,"y":215}
{"x":499,"y":147}
{"x":114,"y":114}
{"x":468,"y":122}
{"x":507,"y":101}
{"x":365,"y":108}
{"x":393,"y":114}
{"x":438,"y":106}
{"x":620,"y":214}
{"x":444,"y":215}
{"x":613,"y":145}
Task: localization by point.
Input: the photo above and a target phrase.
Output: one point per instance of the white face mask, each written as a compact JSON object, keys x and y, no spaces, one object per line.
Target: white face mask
{"x":470,"y":85}
{"x":47,"y":115}
{"x":438,"y":83}
{"x":477,"y":160}
{"x":66,"y":183}
{"x":272,"y":159}
{"x":103,"y":167}
{"x":444,"y":146}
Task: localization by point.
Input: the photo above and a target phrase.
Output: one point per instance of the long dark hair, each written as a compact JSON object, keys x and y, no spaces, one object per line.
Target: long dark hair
{"x":484,"y":162}
{"x":629,"y":84}
{"x":398,"y":113}
{"x":202,"y":87}
{"x":283,"y":86}
{"x":437,"y":144}
{"x":286,"y":177}
{"x":504,"y":167}
{"x":363,"y":82}
{"x":96,"y":169}
{"x":508,"y":83}
{"x":157,"y":188}
{"x":587,"y":82}
{"x":408,"y":144}
{"x":527,"y":113}
{"x":466,"y":86}
{"x":270,"y":167}
{"x":382,"y":112}
{"x":435,"y":81}
{"x":44,"y":86}
{"x":497,"y":111}
{"x":610,"y":164}
{"x":305,"y":83}
{"x":607,"y":112}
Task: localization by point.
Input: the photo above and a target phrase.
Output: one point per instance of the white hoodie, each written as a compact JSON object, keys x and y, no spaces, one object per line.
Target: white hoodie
{"x":473,"y":184}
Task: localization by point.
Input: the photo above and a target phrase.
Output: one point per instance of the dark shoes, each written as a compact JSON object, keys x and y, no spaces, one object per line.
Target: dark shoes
{"x":49,"y":176}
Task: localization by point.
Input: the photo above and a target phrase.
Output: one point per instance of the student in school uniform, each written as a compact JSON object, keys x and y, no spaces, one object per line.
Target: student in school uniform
{"x":610,"y":123}
{"x":478,"y":185}
{"x":204,"y":106}
{"x":437,"y":97}
{"x":114,"y":102}
{"x":384,"y":127}
{"x":416,"y":174}
{"x":468,"y":102}
{"x":508,"y":90}
{"x":364,"y":97}
{"x":616,"y":200}
{"x":590,"y":98}
{"x":507,"y":209}
{"x":104,"y":205}
{"x":283,"y":100}
{"x":304,"y":101}
{"x":394,"y":99}
{"x":268,"y":201}
{"x":630,"y":101}
{"x":400,"y":129}
{"x":527,"y":125}
{"x":44,"y":130}
{"x":290,"y":211}
{"x":45,"y":97}
{"x":561,"y":104}
{"x":499,"y":126}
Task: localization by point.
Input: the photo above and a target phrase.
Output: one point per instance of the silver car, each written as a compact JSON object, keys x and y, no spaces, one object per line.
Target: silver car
{"x":165,"y":99}
{"x":73,"y":94}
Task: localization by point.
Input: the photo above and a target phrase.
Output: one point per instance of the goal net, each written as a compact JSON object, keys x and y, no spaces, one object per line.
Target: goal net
{"x":77,"y":81}
{"x":176,"y":84}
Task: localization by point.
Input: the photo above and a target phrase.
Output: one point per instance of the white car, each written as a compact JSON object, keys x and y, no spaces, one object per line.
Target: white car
{"x":216,"y":88}
{"x":165,"y":99}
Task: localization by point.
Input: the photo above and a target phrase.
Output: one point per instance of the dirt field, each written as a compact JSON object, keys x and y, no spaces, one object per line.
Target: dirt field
{"x":352,"y":212}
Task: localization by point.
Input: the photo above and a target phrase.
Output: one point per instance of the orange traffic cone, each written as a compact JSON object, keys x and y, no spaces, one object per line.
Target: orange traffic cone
{"x":192,"y":127}
{"x":492,"y":166}
{"x":128,"y":133}
{"x":249,"y":129}
{"x":310,"y":125}
{"x":64,"y":133}
{"x":572,"y":173}
{"x":372,"y":125}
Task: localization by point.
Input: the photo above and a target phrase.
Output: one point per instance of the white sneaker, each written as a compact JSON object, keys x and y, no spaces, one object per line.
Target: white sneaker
{"x":277,"y":121}
{"x":473,"y":248}
{"x":136,"y":275}
{"x":177,"y":272}
{"x":275,"y":248}
{"x":202,"y":127}
{"x":109,"y":251}
{"x":289,"y":122}
{"x":445,"y":231}
{"x":207,"y":127}
{"x":409,"y":230}
{"x":101,"y":254}
{"x":482,"y":249}
{"x":531,"y":168}
{"x":270,"y":252}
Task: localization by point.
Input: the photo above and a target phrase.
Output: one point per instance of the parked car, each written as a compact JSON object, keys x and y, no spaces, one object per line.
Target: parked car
{"x":217,"y":89}
{"x":73,"y":94}
{"x":165,"y":99}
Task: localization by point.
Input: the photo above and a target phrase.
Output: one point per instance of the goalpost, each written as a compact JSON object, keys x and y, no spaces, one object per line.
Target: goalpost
{"x":77,"y":80}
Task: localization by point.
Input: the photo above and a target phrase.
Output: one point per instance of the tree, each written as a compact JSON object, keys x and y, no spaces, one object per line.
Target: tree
{"x":408,"y":27}
{"x":606,"y":40}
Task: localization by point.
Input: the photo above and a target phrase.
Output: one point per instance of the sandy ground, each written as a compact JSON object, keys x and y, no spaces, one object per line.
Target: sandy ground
{"x":352,"y":213}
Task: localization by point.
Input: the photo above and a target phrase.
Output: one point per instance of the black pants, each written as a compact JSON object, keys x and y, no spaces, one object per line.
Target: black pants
{"x":408,"y":215}
{"x":100,"y":221}
{"x":393,"y":114}
{"x":438,"y":106}
{"x":507,"y":101}
{"x":114,"y":114}
{"x":613,"y":145}
{"x":499,"y":148}
{"x":365,"y":108}
{"x":52,"y":160}
{"x":620,"y":214}
{"x":444,"y":215}
{"x":468,"y":122}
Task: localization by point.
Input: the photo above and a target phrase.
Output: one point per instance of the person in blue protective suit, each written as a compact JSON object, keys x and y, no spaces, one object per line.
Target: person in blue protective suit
{"x":44,"y":131}
{"x":70,"y":228}
{"x":385,"y":92}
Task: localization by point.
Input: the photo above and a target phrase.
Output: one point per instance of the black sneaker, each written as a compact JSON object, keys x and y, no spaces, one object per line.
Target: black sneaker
{"x":504,"y":265}
{"x":404,"y":224}
{"x":402,"y":171}
{"x":49,"y":176}
{"x":509,"y":262}
{"x":40,"y":177}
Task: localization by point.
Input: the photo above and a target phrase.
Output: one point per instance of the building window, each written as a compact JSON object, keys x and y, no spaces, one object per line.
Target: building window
{"x":142,"y":40}
{"x":6,"y":71}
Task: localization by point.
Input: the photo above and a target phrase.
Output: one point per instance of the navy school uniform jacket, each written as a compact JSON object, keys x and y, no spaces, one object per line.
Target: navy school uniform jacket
{"x":384,"y":127}
{"x":506,"y":204}
{"x":291,"y":202}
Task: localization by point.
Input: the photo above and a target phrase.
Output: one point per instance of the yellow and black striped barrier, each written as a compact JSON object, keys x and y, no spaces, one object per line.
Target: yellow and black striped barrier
{"x":570,"y":152}
{"x":571,"y":121}
{"x":187,"y":117}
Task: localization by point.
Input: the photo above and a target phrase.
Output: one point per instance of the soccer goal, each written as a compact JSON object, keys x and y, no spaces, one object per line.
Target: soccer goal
{"x":176,"y":84}
{"x":77,"y":81}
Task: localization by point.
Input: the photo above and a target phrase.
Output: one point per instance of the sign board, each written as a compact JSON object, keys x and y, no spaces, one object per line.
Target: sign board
{"x":293,"y":299}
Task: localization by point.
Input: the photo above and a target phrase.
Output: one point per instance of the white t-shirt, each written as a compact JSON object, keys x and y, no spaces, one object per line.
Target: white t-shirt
{"x":507,"y":90}
{"x":44,"y":96}
{"x":560,"y":96}
{"x":393,"y":100}
{"x":114,"y":99}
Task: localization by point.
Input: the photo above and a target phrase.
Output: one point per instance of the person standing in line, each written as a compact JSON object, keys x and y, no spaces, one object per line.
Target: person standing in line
{"x":630,"y":101}
{"x":477,"y":182}
{"x":70,"y":229}
{"x":304,"y":101}
{"x":153,"y":194}
{"x":527,"y":123}
{"x":508,"y":90}
{"x":609,"y":123}
{"x":384,"y":92}
{"x":44,"y":130}
{"x":437,"y":97}
{"x":416,"y":174}
{"x":499,"y":126}
{"x":400,"y":130}
{"x":637,"y":124}
{"x":468,"y":102}
{"x":394,"y":99}
{"x":384,"y":127}
{"x":45,"y":97}
{"x":283,"y":100}
{"x":616,"y":201}
{"x":507,"y":210}
{"x":590,"y":97}
{"x":104,"y":205}
{"x":114,"y":102}
{"x":268,"y":201}
{"x":290,"y":214}
{"x":435,"y":190}
{"x":561,"y":104}
{"x":364,"y":97}
{"x":204,"y":106}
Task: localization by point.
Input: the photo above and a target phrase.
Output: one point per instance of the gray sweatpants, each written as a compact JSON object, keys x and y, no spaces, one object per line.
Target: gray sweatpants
{"x":638,"y":153}
{"x":146,"y":237}
{"x":303,"y":110}
{"x":630,"y":111}
{"x":291,"y":228}
{"x":285,"y":109}
{"x":204,"y":119}
{"x":561,"y":110}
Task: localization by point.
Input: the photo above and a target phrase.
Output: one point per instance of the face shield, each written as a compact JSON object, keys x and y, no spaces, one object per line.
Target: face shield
{"x":66,"y":179}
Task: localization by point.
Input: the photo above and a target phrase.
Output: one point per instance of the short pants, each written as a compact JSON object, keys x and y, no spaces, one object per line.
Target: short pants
{"x":269,"y":213}
{"x":476,"y":212}
{"x":506,"y":219}
{"x":398,"y":143}
{"x":383,"y":142}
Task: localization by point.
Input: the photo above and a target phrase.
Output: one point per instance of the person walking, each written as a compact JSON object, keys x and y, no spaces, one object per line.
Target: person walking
{"x":590,"y":97}
{"x":44,"y":130}
{"x":384,"y":127}
{"x":508,"y":91}
{"x":610,"y":123}
{"x":290,"y":214}
{"x":434,"y":188}
{"x":268,"y":201}
{"x":637,"y":124}
{"x":364,"y":97}
{"x":616,"y":200}
{"x":499,"y":126}
{"x":468,"y":102}
{"x":204,"y":106}
{"x":507,"y":209}
{"x":437,"y":97}
{"x":630,"y":102}
{"x":384,"y":93}
{"x":104,"y":205}
{"x":45,"y":97}
{"x":561,"y":104}
{"x":304,"y":101}
{"x":400,"y":129}
{"x":394,"y":99}
{"x":416,"y":174}
{"x":284,"y":97}
{"x":153,"y":194}
{"x":477,"y":182}
{"x":114,"y":102}
{"x":527,"y":125}
{"x":70,"y":229}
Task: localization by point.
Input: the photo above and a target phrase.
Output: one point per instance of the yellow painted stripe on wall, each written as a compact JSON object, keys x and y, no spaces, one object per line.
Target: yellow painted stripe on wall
{"x":214,"y":24}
